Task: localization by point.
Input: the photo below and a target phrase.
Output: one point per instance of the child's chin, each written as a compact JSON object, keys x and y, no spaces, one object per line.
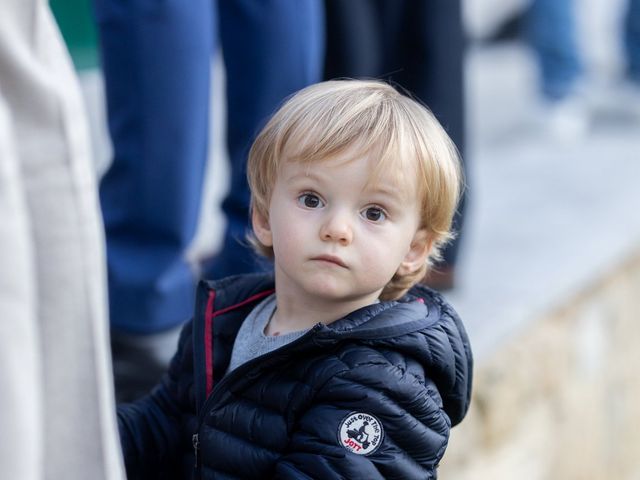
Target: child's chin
{"x":335,"y":291}
{"x":327,"y":287}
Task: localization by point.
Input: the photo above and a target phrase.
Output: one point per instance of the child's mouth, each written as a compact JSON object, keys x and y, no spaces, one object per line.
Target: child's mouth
{"x":330,"y":259}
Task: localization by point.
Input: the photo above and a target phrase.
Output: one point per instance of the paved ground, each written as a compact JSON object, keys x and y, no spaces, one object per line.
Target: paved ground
{"x":546,"y":217}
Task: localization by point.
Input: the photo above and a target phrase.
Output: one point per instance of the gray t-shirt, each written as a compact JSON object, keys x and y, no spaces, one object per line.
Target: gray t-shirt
{"x":251,"y":341}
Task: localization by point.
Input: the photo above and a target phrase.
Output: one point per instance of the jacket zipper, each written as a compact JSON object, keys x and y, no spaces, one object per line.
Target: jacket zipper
{"x":196,"y":447}
{"x":238,"y":372}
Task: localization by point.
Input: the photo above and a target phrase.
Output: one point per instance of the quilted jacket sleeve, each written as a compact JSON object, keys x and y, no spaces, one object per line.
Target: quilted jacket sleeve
{"x":405,"y":433}
{"x":150,"y":427}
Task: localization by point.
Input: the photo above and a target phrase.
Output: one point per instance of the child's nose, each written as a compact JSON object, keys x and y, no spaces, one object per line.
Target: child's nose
{"x":337,"y":228}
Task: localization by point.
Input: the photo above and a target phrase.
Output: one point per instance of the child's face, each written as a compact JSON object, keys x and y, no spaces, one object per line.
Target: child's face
{"x":337,"y":237}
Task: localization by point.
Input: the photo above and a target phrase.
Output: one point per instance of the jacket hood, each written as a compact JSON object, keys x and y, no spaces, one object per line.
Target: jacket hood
{"x":423,"y":326}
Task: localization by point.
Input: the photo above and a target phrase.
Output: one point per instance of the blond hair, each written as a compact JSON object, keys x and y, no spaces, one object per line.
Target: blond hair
{"x":359,"y":118}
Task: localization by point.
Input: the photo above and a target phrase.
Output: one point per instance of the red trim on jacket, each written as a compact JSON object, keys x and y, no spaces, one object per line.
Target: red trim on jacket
{"x":208,"y":340}
{"x":210,"y":314}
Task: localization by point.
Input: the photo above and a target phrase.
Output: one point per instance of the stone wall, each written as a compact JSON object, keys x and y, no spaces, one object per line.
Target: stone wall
{"x":562,"y":400}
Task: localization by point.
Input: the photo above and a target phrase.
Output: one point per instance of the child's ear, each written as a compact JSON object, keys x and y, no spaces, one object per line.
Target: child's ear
{"x":418,"y":253}
{"x":261,"y":228}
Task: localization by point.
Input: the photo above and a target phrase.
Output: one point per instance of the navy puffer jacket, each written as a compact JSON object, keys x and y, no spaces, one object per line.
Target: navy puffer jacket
{"x":373,"y":395}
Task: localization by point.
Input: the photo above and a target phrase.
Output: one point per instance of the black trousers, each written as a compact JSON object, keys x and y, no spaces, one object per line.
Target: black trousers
{"x":416,"y":45}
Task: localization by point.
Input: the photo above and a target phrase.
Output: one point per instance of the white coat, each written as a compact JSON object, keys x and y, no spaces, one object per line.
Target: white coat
{"x":57,"y":415}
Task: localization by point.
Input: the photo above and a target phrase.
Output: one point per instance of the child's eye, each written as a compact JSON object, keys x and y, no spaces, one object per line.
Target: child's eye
{"x":374,"y":214}
{"x":310,"y":200}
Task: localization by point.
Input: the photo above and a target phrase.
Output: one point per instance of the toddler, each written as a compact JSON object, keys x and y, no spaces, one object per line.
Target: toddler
{"x":339,"y":364}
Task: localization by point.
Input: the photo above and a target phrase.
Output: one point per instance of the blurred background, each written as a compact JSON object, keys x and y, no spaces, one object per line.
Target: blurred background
{"x":548,"y":276}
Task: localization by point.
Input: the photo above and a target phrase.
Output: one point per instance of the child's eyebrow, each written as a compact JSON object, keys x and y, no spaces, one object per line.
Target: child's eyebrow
{"x":388,"y":189}
{"x":394,"y":195}
{"x":305,"y":174}
{"x":384,"y":190}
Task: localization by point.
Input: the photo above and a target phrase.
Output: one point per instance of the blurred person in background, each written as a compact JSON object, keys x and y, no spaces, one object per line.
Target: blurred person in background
{"x":568,"y":93}
{"x":57,"y":411}
{"x":418,"y":46}
{"x":156,"y":58}
{"x":550,"y":27}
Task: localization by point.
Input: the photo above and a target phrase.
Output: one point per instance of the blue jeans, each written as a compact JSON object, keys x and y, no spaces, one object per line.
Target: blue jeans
{"x":551,"y":30}
{"x":632,"y":40}
{"x":552,"y":34}
{"x":156,"y":58}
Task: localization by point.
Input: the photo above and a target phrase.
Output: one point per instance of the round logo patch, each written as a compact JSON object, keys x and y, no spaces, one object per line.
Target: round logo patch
{"x":360,"y":433}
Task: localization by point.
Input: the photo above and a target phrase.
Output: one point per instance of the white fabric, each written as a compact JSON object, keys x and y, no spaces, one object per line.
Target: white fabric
{"x":57,"y":415}
{"x":20,"y":408}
